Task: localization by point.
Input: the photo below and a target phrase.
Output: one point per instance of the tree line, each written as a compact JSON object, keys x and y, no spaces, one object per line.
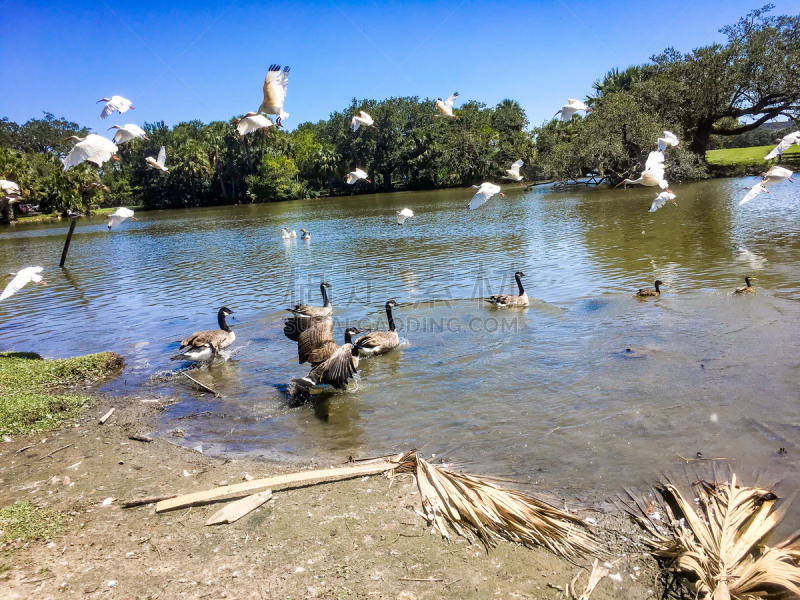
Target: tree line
{"x":711,"y":94}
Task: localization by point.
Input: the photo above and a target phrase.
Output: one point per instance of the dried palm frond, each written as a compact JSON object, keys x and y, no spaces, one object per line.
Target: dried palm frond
{"x":474,"y":507}
{"x":717,"y":546}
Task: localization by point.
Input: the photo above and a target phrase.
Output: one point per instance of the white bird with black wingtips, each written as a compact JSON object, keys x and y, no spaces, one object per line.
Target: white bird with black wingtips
{"x":160,"y":162}
{"x":363,"y":119}
{"x":115,"y":104}
{"x":275,"y":85}
{"x":92,"y":148}
{"x":445,"y":108}
{"x":661,"y":199}
{"x":22,"y":278}
{"x":126,"y":133}
{"x":354,"y":176}
{"x":485,"y":191}
{"x":570,"y":108}
{"x":251,"y":122}
{"x":119,"y":216}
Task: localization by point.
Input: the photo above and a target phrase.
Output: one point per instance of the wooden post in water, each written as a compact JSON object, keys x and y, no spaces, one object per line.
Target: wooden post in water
{"x":66,"y":244}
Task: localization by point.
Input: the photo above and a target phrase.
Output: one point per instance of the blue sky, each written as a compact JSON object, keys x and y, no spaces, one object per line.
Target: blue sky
{"x":202,"y":60}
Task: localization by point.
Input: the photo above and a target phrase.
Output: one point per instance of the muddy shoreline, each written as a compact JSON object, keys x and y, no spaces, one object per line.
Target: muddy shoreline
{"x":355,"y":538}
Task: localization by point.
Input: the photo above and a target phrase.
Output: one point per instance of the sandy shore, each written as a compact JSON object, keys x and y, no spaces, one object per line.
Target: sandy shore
{"x":359,"y":538}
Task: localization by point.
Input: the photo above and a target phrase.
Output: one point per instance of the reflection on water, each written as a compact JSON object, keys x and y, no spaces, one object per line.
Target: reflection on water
{"x":549,"y":392}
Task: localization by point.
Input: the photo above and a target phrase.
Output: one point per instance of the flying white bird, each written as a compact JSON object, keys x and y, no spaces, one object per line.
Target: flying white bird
{"x":114,"y":104}
{"x":570,"y":108}
{"x":784,"y":145}
{"x":275,"y":84}
{"x":119,"y":216}
{"x":22,"y":278}
{"x":669,"y":139}
{"x":160,"y":161}
{"x":774,"y":175}
{"x":653,"y":173}
{"x":513,"y":172}
{"x":754,"y":191}
{"x":251,"y":122}
{"x":363,"y":119}
{"x":446,"y":107}
{"x":127,"y":132}
{"x":485,"y":191}
{"x":355,"y":176}
{"x":661,"y":199}
{"x":93,"y":148}
{"x":404,"y":214}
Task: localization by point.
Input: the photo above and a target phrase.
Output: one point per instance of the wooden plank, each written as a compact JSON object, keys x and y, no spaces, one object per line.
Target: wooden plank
{"x":106,"y":416}
{"x":236,"y":510}
{"x":249,"y":487}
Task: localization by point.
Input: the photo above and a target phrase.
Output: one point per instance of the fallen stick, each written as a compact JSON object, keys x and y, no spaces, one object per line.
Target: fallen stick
{"x":412,"y":579}
{"x":147,"y":500}
{"x":140,"y":438}
{"x":105,"y":417}
{"x":21,"y":450}
{"x":53,"y":452}
{"x":202,"y":385}
{"x":250,"y":487}
{"x":236,"y":510}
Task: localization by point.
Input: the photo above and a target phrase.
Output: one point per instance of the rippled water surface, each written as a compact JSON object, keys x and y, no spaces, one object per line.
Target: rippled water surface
{"x":547,"y":393}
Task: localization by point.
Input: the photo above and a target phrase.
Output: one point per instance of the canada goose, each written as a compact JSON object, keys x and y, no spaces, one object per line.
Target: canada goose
{"x":506,"y":300}
{"x":285,"y":235}
{"x":649,"y":292}
{"x":337,"y":369}
{"x":305,"y":310}
{"x":305,"y":234}
{"x":379,"y":342}
{"x":204,"y":345}
{"x":747,"y":289}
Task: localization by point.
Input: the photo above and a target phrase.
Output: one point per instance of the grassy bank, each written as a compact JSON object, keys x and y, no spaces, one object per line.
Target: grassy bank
{"x":107,"y":210}
{"x":33,"y":394}
{"x":748,"y":156}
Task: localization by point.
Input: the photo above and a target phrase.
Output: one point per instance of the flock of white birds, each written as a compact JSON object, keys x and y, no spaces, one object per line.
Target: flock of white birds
{"x":98,"y":150}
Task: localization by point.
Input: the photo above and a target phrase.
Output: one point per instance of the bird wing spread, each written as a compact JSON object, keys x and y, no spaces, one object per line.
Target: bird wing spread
{"x":479,"y":199}
{"x":20,"y":280}
{"x":659,"y":201}
{"x":754,"y":191}
{"x":275,"y":85}
{"x":340,"y":367}
{"x":517,"y":166}
{"x":162,"y":156}
{"x":450,"y":101}
{"x":319,"y":335}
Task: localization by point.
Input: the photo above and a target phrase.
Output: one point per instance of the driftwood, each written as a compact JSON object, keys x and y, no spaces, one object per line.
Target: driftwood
{"x":54,"y":451}
{"x":249,"y":487}
{"x":106,"y":416}
{"x":236,"y":510}
{"x":140,"y":438}
{"x":202,"y":385}
{"x":147,"y":500}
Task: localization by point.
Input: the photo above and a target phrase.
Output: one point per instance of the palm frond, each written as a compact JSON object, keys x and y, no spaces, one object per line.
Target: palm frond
{"x":717,"y":545}
{"x":475,"y":508}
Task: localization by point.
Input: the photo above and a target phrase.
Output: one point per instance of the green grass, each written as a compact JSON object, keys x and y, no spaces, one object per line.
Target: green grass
{"x":747,"y":156}
{"x":32,"y":390}
{"x":23,"y":521}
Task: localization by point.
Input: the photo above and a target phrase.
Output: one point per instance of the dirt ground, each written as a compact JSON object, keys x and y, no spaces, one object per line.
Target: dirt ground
{"x":359,"y":538}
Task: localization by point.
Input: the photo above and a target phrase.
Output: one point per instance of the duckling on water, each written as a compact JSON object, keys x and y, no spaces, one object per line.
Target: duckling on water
{"x":650,"y":292}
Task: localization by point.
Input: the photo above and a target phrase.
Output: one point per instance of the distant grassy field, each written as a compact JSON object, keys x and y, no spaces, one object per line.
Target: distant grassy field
{"x":747,"y":156}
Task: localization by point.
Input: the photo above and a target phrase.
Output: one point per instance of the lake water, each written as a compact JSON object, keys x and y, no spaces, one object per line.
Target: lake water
{"x":547,"y":394}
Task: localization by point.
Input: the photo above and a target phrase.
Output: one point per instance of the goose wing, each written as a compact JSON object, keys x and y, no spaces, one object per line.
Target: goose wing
{"x":338,"y":369}
{"x":214,"y":338}
{"x":294,"y":326}
{"x":315,"y":344}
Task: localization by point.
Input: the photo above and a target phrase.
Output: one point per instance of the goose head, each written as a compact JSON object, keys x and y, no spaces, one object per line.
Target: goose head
{"x":658,"y":283}
{"x":225,"y":311}
{"x":747,"y":280}
{"x":519,"y":274}
{"x":391,"y":304}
